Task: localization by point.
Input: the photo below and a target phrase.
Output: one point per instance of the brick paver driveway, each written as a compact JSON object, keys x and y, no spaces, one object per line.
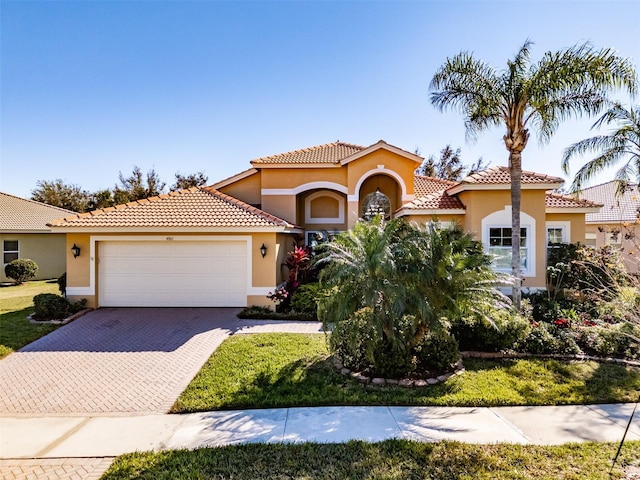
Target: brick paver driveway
{"x":125,"y":360}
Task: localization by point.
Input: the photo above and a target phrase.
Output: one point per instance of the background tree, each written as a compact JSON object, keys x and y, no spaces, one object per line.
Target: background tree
{"x":621,"y":144}
{"x":59,"y":194}
{"x":527,"y":95}
{"x":198,"y":179}
{"x":137,"y":186}
{"x":449,"y":166}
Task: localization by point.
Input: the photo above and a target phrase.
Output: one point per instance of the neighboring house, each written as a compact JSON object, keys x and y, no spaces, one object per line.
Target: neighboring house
{"x":24,"y":234}
{"x":617,"y":223}
{"x":204,"y":246}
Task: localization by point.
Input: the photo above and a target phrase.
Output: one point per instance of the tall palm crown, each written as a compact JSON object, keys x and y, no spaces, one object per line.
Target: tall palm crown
{"x":622,"y":143}
{"x":527,"y":95}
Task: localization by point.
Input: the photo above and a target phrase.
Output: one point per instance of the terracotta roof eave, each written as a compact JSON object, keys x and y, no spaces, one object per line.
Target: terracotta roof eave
{"x":572,"y":209}
{"x":160,"y":230}
{"x":461,"y":187}
{"x":430,"y":211}
{"x":296,"y":165}
{"x":24,"y":231}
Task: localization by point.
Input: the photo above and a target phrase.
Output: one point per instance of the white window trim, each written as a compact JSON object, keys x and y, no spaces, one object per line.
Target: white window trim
{"x":502,"y":219}
{"x":566,"y":230}
{"x":319,"y":220}
{"x":9,"y":251}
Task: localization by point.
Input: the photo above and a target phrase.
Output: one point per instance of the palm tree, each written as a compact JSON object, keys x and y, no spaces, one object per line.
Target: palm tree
{"x":623,"y":143}
{"x":561,"y":85}
{"x":408,"y":280}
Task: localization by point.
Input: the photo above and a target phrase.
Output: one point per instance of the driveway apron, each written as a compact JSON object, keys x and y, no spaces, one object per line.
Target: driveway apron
{"x":113,"y":361}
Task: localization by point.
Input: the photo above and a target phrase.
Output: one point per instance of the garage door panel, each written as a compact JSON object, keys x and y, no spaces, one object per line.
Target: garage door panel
{"x":173,"y":273}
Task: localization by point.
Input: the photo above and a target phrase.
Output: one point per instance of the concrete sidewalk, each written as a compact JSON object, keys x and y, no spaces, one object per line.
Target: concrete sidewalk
{"x":86,"y":437}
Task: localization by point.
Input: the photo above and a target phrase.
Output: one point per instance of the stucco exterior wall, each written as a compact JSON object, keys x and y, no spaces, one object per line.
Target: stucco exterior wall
{"x":265,"y":274}
{"x":247,"y":189}
{"x":629,"y":241}
{"x":46,"y":249}
{"x":482,"y":203}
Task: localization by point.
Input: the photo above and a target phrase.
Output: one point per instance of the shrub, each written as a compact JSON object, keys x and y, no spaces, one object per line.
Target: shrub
{"x":62,"y":284}
{"x":49,"y":306}
{"x":21,"y":270}
{"x":437,"y":351}
{"x":304,"y":299}
{"x":355,"y":340}
{"x":540,"y":340}
{"x":475,"y":333}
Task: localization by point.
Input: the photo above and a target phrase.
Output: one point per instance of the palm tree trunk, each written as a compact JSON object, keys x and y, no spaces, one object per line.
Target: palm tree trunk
{"x":515,"y":168}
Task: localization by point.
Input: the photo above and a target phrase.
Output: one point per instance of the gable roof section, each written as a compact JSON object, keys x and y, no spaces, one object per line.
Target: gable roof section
{"x":424,"y":186}
{"x":329,"y":153}
{"x":557,"y":203}
{"x":27,"y":216}
{"x":499,"y":178}
{"x":625,"y":208}
{"x":193,"y":209}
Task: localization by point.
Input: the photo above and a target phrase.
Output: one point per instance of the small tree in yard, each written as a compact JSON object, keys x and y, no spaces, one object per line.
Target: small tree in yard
{"x":21,"y":270}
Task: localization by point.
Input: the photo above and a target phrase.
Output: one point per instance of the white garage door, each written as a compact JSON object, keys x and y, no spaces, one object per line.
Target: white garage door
{"x":172,"y":274}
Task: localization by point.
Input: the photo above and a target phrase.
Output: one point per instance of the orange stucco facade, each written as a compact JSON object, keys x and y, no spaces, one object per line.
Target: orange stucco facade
{"x":320,"y":197}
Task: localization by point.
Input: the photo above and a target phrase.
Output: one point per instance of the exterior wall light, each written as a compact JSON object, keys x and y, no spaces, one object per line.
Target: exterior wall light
{"x":76,"y":251}
{"x":263,"y":250}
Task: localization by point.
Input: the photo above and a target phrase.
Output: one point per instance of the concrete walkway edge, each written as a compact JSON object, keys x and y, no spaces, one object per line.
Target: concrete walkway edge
{"x":90,"y":437}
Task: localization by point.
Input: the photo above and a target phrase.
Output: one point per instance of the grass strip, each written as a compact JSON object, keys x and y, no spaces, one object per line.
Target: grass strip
{"x":16,"y":303}
{"x":284,"y":370}
{"x":391,"y":459}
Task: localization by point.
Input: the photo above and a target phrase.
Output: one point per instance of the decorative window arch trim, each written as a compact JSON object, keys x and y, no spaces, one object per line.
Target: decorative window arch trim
{"x":318,"y":220}
{"x":502,"y":218}
{"x":304,"y":188}
{"x":354,"y":197}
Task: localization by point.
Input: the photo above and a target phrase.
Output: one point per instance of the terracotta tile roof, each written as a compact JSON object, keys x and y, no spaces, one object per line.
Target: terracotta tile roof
{"x":202,"y":207}
{"x":435,"y":201}
{"x":330,"y":153}
{"x":555,"y":200}
{"x":424,"y":186}
{"x":19,"y":214}
{"x":625,"y":208}
{"x":501,"y":175}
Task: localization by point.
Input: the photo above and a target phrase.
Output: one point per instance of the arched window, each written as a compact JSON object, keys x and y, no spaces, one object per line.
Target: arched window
{"x":376,"y":203}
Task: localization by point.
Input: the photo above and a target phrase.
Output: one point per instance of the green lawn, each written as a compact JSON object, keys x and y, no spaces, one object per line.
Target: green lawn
{"x":280,"y":370}
{"x":16,"y":303}
{"x":392,"y":459}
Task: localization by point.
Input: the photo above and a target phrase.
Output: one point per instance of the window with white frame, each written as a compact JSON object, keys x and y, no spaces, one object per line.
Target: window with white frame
{"x":10,"y":251}
{"x":500,"y":247}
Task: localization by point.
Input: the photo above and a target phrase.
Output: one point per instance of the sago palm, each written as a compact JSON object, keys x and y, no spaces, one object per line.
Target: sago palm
{"x":621,"y":144}
{"x":528,"y":95}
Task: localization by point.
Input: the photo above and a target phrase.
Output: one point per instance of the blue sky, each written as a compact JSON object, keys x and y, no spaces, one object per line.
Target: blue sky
{"x":89,"y":89}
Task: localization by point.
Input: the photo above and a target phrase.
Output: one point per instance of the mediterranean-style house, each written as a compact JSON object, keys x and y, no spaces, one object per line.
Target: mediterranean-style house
{"x":224,"y":245}
{"x":24,"y":234}
{"x":617,"y":223}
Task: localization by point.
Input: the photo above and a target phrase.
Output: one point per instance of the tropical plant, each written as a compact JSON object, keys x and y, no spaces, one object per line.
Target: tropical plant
{"x":409,"y":281}
{"x":621,"y":144}
{"x":527,"y":95}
